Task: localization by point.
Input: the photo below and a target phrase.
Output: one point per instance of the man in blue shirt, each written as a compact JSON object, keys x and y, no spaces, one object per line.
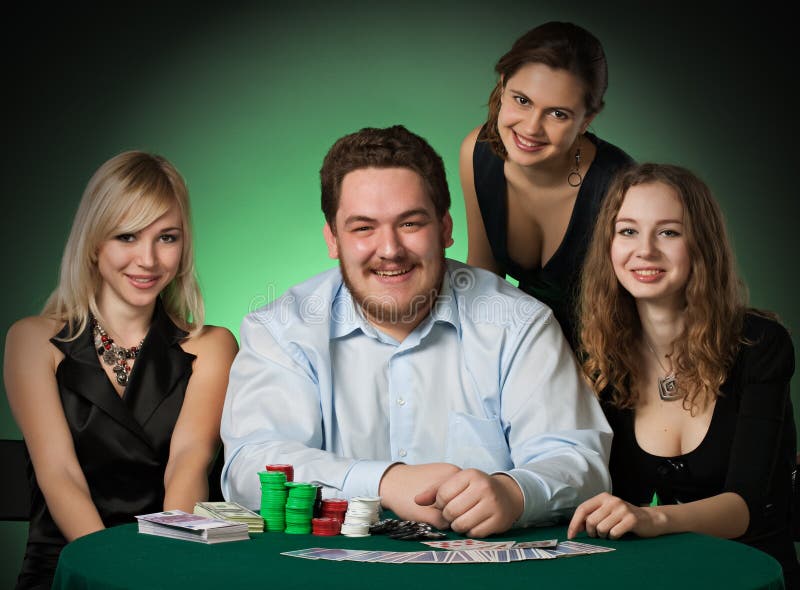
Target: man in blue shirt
{"x":438,"y":386}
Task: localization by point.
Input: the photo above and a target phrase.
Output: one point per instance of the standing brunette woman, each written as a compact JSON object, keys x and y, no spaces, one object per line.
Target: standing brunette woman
{"x":533,"y":177}
{"x":694,"y":384}
{"x":118,"y":387}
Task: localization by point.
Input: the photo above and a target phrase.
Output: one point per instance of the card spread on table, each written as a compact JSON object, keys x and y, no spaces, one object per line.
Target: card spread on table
{"x":546,"y":544}
{"x":459,"y":551}
{"x":456,"y":544}
{"x":469,"y":544}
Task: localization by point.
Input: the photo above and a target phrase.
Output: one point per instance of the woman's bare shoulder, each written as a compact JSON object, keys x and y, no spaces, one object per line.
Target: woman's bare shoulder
{"x":211,"y":340}
{"x":33,"y":329}
{"x":28,"y":346}
{"x":468,"y":143}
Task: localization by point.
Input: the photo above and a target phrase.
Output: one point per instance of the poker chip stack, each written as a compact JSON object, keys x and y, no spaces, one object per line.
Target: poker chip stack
{"x":273,"y":500}
{"x":326,"y":526}
{"x":361,"y":513}
{"x":300,"y":507}
{"x":287,"y":469}
{"x":334,"y":508}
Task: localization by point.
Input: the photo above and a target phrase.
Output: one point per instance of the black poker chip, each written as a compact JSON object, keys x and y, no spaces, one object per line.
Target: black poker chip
{"x":406,"y":530}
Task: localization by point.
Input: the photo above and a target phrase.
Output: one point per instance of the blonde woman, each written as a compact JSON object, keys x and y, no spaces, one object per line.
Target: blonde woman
{"x":694,"y":384}
{"x":118,"y":386}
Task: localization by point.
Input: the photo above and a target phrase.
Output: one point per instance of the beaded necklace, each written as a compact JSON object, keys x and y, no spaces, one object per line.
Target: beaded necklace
{"x":113,"y":354}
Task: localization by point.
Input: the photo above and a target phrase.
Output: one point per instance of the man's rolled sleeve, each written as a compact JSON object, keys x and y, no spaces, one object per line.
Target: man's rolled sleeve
{"x":364,"y":478}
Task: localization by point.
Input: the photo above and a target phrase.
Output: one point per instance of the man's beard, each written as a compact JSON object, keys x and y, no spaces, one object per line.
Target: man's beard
{"x":384,"y":309}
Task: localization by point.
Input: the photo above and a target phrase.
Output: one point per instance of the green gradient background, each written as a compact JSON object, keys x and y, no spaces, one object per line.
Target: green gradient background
{"x":246,"y":101}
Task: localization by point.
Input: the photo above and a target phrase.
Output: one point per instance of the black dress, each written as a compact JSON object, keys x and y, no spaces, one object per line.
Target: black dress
{"x":122,"y":443}
{"x":749,"y":448}
{"x":556,"y":282}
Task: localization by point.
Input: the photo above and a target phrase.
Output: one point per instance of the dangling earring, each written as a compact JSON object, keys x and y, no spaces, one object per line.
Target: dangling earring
{"x":575,"y":178}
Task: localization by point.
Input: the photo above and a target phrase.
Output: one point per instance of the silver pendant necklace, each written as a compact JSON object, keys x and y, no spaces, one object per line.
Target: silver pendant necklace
{"x":668,"y":384}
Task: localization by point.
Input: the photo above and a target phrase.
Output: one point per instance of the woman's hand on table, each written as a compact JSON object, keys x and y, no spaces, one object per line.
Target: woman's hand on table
{"x":610,"y":517}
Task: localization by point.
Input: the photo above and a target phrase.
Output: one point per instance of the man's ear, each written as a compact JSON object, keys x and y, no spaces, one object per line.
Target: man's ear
{"x":447,"y":230}
{"x":330,"y":240}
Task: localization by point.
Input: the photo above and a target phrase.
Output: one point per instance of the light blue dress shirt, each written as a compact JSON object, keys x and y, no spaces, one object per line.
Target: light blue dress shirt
{"x":487,"y":381}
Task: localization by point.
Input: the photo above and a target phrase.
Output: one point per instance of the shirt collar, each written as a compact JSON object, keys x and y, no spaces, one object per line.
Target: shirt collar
{"x":445,"y":308}
{"x":346,"y":316}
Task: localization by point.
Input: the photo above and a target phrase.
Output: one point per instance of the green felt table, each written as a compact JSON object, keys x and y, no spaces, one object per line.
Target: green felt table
{"x":121,"y":558}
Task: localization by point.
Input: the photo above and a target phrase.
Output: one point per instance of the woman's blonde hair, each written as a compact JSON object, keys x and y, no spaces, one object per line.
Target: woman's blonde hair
{"x":715,"y":296}
{"x":125,"y":195}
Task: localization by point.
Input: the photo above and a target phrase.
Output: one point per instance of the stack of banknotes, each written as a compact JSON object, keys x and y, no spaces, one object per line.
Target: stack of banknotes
{"x":232,"y":511}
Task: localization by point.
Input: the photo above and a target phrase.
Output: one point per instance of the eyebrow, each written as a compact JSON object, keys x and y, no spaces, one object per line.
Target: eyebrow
{"x":658,"y":222}
{"x":403,"y":215}
{"x":555,"y":108}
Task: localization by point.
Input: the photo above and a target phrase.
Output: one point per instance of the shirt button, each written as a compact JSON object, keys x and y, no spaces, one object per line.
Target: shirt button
{"x":401,"y":401}
{"x":402,"y":452}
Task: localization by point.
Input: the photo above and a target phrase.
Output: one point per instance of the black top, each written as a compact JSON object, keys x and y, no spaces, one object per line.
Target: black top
{"x":556,"y":282}
{"x":749,"y":448}
{"x":122,"y":443}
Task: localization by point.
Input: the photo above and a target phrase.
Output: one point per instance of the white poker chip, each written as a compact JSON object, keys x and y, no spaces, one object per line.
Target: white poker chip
{"x":355,"y":530}
{"x":363,"y":510}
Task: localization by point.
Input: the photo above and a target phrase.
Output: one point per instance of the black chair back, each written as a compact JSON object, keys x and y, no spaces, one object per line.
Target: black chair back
{"x":796,"y":501}
{"x":15,"y":491}
{"x":214,"y":486}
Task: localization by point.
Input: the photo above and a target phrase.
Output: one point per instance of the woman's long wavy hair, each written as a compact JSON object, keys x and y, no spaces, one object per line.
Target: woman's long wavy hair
{"x":125,"y":195}
{"x":610,"y":328}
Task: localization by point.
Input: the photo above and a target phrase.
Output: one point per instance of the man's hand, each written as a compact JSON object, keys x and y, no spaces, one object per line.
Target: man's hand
{"x":474,"y":503}
{"x":400,"y":483}
{"x":608,"y":516}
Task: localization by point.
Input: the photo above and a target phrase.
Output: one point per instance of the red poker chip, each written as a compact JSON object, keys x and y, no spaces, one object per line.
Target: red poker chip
{"x":334,"y":504}
{"x":323,"y":522}
{"x":285,"y":468}
{"x":336,"y":515}
{"x":325,"y":526}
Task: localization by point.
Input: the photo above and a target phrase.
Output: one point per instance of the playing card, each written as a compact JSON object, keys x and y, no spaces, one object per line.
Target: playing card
{"x":371,"y":556}
{"x":455,"y":544}
{"x":404,"y":556}
{"x":535,"y":553}
{"x":564,"y":551}
{"x":424,"y":557}
{"x":546,"y":544}
{"x":334,"y":554}
{"x":304,"y":553}
{"x":499,"y":545}
{"x":501,"y":556}
{"x":586,"y":547}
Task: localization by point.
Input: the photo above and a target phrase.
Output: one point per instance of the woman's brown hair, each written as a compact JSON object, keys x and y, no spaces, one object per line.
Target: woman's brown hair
{"x":611,"y":344}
